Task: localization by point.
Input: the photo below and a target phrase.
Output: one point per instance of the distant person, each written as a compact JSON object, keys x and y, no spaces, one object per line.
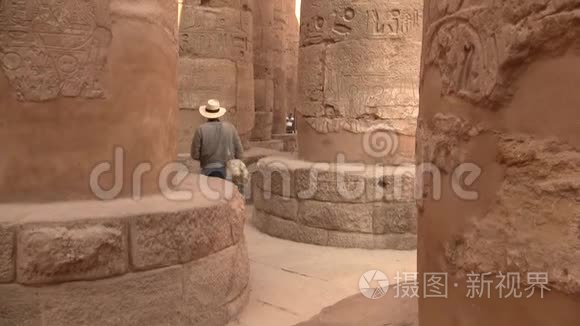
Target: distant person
{"x":290,"y":124}
{"x":215,"y":142}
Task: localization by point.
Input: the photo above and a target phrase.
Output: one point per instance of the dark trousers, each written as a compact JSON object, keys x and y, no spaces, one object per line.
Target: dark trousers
{"x":215,"y":172}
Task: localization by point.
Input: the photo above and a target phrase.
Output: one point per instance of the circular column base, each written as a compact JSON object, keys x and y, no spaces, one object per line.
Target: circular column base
{"x":339,"y":205}
{"x":124,"y":262}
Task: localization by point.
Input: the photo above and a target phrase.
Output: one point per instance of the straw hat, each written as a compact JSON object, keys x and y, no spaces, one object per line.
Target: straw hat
{"x":212,"y":110}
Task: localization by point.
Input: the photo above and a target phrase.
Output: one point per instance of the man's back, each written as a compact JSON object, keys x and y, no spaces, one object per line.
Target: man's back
{"x":215,"y":143}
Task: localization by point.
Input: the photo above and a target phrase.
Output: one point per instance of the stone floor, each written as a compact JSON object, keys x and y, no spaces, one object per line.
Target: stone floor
{"x":292,"y":282}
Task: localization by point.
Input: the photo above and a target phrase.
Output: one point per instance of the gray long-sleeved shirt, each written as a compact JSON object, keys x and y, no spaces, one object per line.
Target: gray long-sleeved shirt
{"x":215,"y":143}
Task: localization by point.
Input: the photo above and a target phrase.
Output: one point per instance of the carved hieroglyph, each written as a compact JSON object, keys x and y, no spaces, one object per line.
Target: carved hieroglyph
{"x":359,"y":64}
{"x":279,"y":27}
{"x":475,"y":57}
{"x":291,"y":61}
{"x":216,"y":57}
{"x":498,"y":126}
{"x":55,"y":48}
{"x":263,"y":70}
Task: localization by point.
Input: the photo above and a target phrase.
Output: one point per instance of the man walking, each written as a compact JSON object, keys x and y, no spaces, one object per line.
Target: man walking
{"x":215,"y":142}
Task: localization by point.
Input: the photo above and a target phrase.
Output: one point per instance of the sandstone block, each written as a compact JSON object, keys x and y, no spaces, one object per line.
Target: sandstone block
{"x":398,"y":184}
{"x":289,"y":230}
{"x":19,"y":306}
{"x":351,"y":240}
{"x":276,"y":205}
{"x":396,"y":241}
{"x":180,"y":237}
{"x":148,"y":298}
{"x":7,"y":254}
{"x":273,"y":175}
{"x":395,"y":218}
{"x":336,"y":216}
{"x":290,"y":141}
{"x":355,"y":183}
{"x":237,"y":216}
{"x":340,"y":186}
{"x":236,"y":306}
{"x":217,"y":279}
{"x":263,"y":126}
{"x":69,"y":252}
{"x":372,"y":241}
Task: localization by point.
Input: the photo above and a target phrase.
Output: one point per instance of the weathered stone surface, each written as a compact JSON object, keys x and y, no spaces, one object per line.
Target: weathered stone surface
{"x":336,"y":216}
{"x":73,"y":74}
{"x":290,"y":142}
{"x":237,"y":216}
{"x":274,"y":175}
{"x":213,"y":39}
{"x":236,"y":306}
{"x":276,"y":205}
{"x":289,"y":230}
{"x":82,"y":251}
{"x":395,"y":218}
{"x":80,"y":55}
{"x":278,"y":54}
{"x":351,"y":183}
{"x":351,"y":240}
{"x":148,"y":298}
{"x":7,"y":254}
{"x":219,"y":82}
{"x":263,"y":126}
{"x":222,"y":315}
{"x":216,"y":280}
{"x":509,"y":176}
{"x":19,"y":306}
{"x":292,"y":35}
{"x":176,"y":238}
{"x":273,"y":144}
{"x":321,"y":183}
{"x":367,"y":81}
{"x":396,"y":241}
{"x":263,"y":70}
{"x":337,"y":198}
{"x":372,"y":241}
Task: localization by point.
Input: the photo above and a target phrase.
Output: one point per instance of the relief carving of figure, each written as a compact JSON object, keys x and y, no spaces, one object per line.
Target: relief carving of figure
{"x":55,"y":48}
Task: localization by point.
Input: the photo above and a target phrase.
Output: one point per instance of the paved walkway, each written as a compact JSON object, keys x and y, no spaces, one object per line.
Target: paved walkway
{"x":292,"y":282}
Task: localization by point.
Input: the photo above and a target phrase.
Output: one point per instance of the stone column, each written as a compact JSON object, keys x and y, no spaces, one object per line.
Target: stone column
{"x":363,"y":82}
{"x":216,"y":61}
{"x":291,"y":61}
{"x":499,"y":150}
{"x":280,"y":22}
{"x":89,"y":234}
{"x":264,"y":70}
{"x":75,"y":91}
{"x":358,"y":77}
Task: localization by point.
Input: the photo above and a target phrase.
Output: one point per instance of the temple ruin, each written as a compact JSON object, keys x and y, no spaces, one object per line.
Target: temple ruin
{"x":216,"y":62}
{"x":498,"y":122}
{"x":431,"y":180}
{"x":357,"y":108}
{"x":88,"y":234}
